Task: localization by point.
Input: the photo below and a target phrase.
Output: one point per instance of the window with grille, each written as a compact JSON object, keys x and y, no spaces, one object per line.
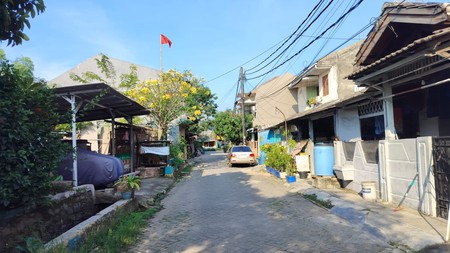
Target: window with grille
{"x":371,"y":109}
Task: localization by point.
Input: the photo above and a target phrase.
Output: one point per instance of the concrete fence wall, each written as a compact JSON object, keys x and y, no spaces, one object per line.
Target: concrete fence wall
{"x":399,"y":161}
{"x":398,"y":168}
{"x":363,"y":170}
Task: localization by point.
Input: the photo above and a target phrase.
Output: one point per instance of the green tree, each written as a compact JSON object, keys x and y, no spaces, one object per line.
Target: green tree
{"x":201,"y":107}
{"x":106,"y":68}
{"x":228,"y":125}
{"x":29,"y":151}
{"x":15,"y":15}
{"x":173,"y":95}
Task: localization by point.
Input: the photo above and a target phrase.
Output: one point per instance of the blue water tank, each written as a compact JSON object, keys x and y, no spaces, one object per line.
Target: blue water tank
{"x":323,"y":159}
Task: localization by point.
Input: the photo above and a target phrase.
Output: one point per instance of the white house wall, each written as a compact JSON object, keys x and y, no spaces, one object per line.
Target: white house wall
{"x":348,"y":125}
{"x":302,"y":97}
{"x":332,"y":85}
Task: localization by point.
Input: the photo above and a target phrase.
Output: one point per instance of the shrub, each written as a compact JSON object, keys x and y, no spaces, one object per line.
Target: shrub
{"x":29,"y":151}
{"x":177,"y":153}
{"x":277,"y":157}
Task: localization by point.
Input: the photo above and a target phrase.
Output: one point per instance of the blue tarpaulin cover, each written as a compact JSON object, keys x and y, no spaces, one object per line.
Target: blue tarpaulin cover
{"x":93,"y":168}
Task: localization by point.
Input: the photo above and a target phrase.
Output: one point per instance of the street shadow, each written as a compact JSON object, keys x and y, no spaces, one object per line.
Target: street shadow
{"x":236,"y":210}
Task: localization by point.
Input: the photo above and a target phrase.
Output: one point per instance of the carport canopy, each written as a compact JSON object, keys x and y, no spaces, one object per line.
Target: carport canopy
{"x":103,"y":101}
{"x":95,"y":101}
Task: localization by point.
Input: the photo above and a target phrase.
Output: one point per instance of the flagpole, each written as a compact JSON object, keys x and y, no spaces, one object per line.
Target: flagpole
{"x":160,"y":54}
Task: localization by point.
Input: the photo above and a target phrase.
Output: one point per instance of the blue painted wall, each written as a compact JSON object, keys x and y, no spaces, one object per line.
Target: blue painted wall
{"x":267,"y":136}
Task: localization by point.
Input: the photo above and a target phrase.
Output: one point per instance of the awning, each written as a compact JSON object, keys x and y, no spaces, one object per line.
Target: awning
{"x":104,"y":102}
{"x":96,"y":101}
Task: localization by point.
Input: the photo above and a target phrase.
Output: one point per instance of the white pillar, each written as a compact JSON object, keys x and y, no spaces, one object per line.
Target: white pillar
{"x":74,"y":110}
{"x":389,"y":127}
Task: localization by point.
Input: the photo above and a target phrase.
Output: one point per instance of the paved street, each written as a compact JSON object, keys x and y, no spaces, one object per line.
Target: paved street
{"x":220,"y":209}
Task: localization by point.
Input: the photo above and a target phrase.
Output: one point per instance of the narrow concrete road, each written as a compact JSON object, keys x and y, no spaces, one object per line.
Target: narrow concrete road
{"x":220,"y":209}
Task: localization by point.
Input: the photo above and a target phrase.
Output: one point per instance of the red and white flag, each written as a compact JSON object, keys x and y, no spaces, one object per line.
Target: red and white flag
{"x":165,"y":40}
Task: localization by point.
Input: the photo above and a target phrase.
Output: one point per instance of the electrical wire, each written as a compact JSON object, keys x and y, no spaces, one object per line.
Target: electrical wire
{"x":325,"y":20}
{"x":327,"y":40}
{"x":292,"y":34}
{"x":296,"y":38}
{"x":270,"y":95}
{"x":278,"y":58}
{"x":235,"y":68}
{"x":309,"y":44}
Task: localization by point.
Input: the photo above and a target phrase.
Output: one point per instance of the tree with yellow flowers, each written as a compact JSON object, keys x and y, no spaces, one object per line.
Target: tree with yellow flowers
{"x":173,"y":95}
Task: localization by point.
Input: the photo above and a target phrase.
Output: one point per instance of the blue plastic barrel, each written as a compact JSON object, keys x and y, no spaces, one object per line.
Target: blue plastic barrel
{"x":323,"y":159}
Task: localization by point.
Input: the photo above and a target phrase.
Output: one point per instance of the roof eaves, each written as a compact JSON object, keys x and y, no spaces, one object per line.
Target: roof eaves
{"x":399,"y":52}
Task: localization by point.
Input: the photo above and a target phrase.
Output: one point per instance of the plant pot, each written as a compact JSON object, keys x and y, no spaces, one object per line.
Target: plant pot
{"x":303,"y":174}
{"x":126,"y":195}
{"x":283,"y":175}
{"x":277,"y":173}
{"x":291,"y":179}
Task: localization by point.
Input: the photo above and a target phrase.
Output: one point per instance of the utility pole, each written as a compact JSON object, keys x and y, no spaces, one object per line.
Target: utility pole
{"x":242,"y":105}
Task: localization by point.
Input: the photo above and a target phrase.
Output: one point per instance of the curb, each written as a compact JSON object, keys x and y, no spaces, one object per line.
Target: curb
{"x":80,"y":232}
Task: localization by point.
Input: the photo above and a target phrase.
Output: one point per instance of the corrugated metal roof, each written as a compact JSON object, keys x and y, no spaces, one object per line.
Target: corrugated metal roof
{"x":400,"y":52}
{"x":109,"y":100}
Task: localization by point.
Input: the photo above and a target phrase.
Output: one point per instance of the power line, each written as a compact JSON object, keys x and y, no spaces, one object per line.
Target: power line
{"x":235,"y":68}
{"x":290,"y":36}
{"x":309,"y":44}
{"x":270,"y":95}
{"x":296,"y":38}
{"x":265,"y":51}
{"x":325,"y":20}
{"x":227,"y":94}
{"x":278,"y":58}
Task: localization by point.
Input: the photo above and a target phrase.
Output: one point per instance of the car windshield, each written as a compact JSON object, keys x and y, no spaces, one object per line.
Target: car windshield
{"x":241,"y":149}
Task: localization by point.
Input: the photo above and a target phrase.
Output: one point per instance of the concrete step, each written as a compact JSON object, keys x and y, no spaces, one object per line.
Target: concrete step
{"x":325,"y":182}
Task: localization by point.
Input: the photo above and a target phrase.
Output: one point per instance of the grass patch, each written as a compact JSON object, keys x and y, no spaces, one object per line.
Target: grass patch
{"x":324,"y":203}
{"x":406,"y":248}
{"x":120,"y":236}
{"x":122,"y":233}
{"x":186,"y":171}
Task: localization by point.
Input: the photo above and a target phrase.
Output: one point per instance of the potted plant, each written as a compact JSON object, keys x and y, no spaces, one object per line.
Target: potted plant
{"x":311,"y":101}
{"x":126,"y":185}
{"x":277,"y":158}
{"x":291,"y":171}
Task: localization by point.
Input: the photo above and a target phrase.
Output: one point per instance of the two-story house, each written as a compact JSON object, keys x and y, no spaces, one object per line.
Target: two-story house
{"x":405,"y":61}
{"x":321,"y":89}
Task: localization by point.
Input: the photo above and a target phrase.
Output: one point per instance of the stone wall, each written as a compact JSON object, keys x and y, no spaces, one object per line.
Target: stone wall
{"x":45,"y":222}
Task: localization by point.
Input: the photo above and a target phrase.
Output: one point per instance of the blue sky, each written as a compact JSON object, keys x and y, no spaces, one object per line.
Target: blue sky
{"x":209,"y":38}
